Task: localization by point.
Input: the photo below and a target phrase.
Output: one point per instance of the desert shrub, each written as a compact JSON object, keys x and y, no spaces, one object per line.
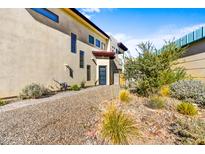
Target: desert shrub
{"x":82,"y":84}
{"x":2,"y":102}
{"x":189,"y":90}
{"x":189,"y":131}
{"x":164,"y":91}
{"x":124,"y":96}
{"x":156,"y":102}
{"x":117,"y":127}
{"x":153,"y":68}
{"x":33,"y":91}
{"x":170,"y":76}
{"x":75,"y":87}
{"x":187,"y":109}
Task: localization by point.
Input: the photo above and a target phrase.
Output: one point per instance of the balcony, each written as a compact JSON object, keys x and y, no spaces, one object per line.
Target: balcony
{"x":191,"y":37}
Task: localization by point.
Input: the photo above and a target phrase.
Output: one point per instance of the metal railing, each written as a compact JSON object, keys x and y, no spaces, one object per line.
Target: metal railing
{"x":191,"y":37}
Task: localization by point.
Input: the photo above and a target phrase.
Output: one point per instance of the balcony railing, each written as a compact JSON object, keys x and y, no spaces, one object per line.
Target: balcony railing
{"x":191,"y":37}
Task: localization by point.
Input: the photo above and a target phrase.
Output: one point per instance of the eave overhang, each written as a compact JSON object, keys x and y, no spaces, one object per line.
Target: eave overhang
{"x":105,"y":54}
{"x":86,"y":21}
{"x":122,"y":46}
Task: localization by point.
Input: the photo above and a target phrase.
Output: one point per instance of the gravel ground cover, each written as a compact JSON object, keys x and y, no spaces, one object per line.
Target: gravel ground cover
{"x":155,"y":125}
{"x":60,"y":119}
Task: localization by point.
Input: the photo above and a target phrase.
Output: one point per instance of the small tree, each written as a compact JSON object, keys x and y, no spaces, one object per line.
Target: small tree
{"x":153,"y":68}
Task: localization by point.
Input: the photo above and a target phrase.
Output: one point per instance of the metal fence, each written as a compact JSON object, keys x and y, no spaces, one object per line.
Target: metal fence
{"x":191,"y":37}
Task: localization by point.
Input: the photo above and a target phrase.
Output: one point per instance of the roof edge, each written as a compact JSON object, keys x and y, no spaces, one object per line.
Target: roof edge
{"x":88,"y":21}
{"x":122,"y":46}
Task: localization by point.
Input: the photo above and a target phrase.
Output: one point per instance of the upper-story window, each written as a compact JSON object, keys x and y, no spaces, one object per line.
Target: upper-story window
{"x":97,"y":43}
{"x":113,"y":49}
{"x":91,"y":39}
{"x":46,"y":13}
{"x":102,"y":46}
{"x":73,"y":42}
{"x":81,"y":59}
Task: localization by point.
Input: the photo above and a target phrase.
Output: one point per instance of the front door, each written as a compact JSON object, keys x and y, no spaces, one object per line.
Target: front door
{"x":102,"y":75}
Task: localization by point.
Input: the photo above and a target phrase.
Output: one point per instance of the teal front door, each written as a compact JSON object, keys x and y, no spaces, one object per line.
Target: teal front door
{"x":102,"y":75}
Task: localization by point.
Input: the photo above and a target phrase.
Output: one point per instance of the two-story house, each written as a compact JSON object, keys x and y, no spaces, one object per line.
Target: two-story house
{"x":42,"y":46}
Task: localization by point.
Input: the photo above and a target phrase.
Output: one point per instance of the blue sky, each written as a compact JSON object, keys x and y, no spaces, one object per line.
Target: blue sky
{"x":132,"y":26}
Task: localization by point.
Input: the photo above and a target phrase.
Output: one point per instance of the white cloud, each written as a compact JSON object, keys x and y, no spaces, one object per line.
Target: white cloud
{"x":91,"y":10}
{"x":166,"y":33}
{"x":86,"y":15}
{"x":88,"y":12}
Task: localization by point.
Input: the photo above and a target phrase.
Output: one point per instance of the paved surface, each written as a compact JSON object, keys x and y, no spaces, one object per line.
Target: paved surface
{"x":60,"y":119}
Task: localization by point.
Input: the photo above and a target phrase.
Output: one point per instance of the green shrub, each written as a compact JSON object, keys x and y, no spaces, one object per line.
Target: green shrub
{"x":189,"y":131}
{"x":2,"y":102}
{"x":187,"y":109}
{"x":33,"y":91}
{"x":117,"y":127}
{"x":189,"y":90}
{"x":124,"y":96}
{"x":156,"y":102}
{"x":152,"y":68}
{"x":170,"y":76}
{"x":82,"y":84}
{"x":75,"y":87}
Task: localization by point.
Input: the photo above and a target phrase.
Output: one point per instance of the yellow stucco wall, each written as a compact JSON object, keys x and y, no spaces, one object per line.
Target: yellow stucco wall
{"x":194,"y":65}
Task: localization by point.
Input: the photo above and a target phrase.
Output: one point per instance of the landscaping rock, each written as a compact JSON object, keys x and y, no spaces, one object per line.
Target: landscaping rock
{"x":155,"y":126}
{"x":60,"y":119}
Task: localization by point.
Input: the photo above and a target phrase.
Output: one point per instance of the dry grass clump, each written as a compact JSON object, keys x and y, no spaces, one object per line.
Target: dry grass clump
{"x":156,"y":102}
{"x":125,"y":96}
{"x":164,"y":91}
{"x":118,"y":127}
{"x":187,"y":108}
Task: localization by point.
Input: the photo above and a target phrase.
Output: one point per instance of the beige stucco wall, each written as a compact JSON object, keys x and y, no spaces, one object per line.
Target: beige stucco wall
{"x":33,"y":52}
{"x":69,"y":24}
{"x":194,"y":65}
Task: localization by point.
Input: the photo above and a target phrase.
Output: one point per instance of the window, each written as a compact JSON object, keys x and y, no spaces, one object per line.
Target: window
{"x":97,"y":43}
{"x":73,"y":43}
{"x":81,"y":59}
{"x":88,"y":72}
{"x":91,"y":39}
{"x":113,"y":49}
{"x":71,"y":72}
{"x":46,"y":13}
{"x":102,"y":46}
